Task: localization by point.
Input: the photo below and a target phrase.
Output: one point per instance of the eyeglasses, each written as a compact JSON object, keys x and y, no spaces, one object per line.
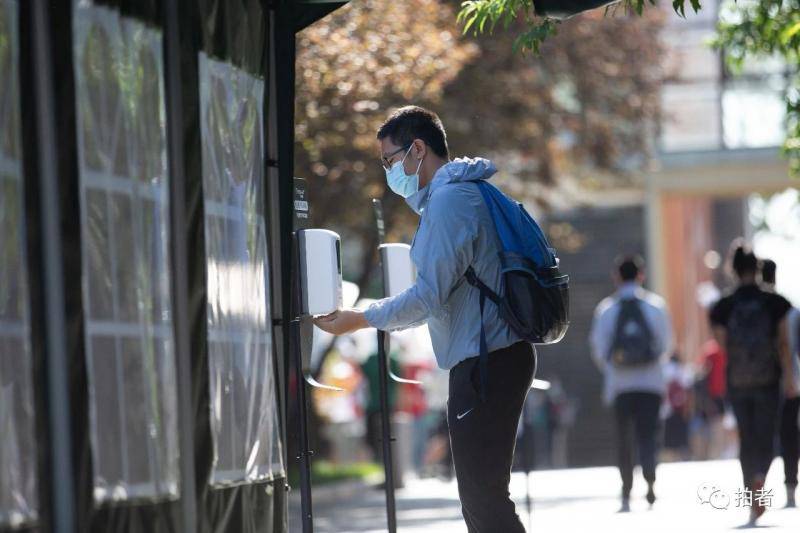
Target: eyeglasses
{"x":386,"y":159}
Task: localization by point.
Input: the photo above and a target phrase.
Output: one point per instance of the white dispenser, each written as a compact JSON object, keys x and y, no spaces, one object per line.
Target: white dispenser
{"x":398,"y":269}
{"x":320,"y":271}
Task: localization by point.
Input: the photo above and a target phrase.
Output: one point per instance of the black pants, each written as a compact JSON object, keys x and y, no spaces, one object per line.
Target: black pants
{"x":756,"y":412}
{"x":482,"y":435}
{"x":790,"y":448}
{"x":637,"y":429}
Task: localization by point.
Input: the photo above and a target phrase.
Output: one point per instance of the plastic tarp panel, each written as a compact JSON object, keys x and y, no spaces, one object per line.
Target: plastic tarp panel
{"x":234,"y":32}
{"x":124,"y":197}
{"x":241,"y":371}
{"x":18,"y":445}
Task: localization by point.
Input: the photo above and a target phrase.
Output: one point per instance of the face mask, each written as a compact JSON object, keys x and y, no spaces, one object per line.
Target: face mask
{"x":400,"y":182}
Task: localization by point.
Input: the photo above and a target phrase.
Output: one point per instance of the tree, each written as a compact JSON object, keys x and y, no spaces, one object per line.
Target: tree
{"x":753,"y":28}
{"x":546,"y":117}
{"x":352,"y":67}
{"x":586,"y":107}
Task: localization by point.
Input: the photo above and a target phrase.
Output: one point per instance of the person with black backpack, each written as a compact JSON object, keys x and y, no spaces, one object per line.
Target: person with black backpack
{"x":631,"y":339}
{"x":751,"y":324}
{"x":789,"y":431}
{"x":488,"y":286}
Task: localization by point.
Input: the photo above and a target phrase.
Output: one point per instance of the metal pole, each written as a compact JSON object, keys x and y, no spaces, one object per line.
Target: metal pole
{"x":179,"y":263}
{"x":304,"y":454}
{"x":386,"y":431}
{"x":58,"y":395}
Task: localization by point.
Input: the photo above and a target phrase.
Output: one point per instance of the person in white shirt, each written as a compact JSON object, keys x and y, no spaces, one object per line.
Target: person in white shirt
{"x":631,"y":339}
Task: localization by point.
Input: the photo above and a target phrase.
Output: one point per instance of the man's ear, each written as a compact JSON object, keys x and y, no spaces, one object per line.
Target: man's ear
{"x":420,"y":149}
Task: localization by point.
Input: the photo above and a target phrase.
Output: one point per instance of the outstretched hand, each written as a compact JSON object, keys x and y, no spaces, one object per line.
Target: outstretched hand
{"x":342,"y":321}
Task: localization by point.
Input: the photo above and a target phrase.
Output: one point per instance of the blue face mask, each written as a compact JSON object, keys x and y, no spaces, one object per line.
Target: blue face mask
{"x":400,"y":182}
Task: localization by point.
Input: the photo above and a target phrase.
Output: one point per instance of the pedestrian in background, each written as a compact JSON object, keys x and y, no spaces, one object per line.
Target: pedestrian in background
{"x":679,"y":381}
{"x":789,"y":431}
{"x":751,"y":324}
{"x":713,"y":405}
{"x":631,"y":339}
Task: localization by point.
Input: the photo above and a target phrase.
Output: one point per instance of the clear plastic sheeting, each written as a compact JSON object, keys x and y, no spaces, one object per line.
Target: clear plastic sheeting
{"x":18,"y":488}
{"x":124,"y":226}
{"x":241,"y":370}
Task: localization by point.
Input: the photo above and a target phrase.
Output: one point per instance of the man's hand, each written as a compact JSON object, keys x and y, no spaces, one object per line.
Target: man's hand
{"x":342,"y":321}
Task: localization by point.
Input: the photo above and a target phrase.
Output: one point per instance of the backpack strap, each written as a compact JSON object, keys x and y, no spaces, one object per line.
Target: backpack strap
{"x":485,"y":290}
{"x":483,"y":361}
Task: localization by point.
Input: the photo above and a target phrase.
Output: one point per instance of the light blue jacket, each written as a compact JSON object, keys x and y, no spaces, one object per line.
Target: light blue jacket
{"x":455,"y":231}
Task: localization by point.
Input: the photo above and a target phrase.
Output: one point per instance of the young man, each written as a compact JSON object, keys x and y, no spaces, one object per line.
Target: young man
{"x":789,"y":430}
{"x":455,"y":231}
{"x":631,"y":339}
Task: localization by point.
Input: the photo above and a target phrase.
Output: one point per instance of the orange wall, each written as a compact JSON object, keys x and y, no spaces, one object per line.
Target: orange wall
{"x":686,"y":227}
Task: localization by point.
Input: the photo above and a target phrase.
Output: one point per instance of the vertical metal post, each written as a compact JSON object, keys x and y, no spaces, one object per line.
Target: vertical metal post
{"x":272,"y":206}
{"x":304,"y":452}
{"x":384,"y":373}
{"x":58,"y":391}
{"x":386,"y":431}
{"x":179,"y":262}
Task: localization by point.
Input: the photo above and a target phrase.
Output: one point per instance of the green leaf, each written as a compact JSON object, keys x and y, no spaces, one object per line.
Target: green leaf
{"x":788,"y":33}
{"x":678,"y":6}
{"x":535,"y":36}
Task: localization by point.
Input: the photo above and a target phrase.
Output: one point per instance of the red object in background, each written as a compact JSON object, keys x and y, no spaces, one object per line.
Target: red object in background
{"x":412,"y":397}
{"x":715,"y":360}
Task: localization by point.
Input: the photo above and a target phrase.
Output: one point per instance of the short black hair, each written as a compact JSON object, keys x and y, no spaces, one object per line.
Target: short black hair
{"x":768,"y":268}
{"x":414,"y":122}
{"x":629,"y":266}
{"x":743,"y":260}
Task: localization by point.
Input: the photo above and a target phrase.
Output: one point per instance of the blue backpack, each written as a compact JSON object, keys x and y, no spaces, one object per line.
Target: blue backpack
{"x":535,"y":294}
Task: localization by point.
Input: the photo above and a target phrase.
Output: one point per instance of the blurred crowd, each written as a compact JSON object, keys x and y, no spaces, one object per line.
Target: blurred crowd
{"x":696,"y":416}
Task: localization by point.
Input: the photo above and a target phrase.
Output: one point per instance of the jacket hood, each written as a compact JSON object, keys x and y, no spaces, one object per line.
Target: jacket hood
{"x":464,"y":169}
{"x":457,"y":170}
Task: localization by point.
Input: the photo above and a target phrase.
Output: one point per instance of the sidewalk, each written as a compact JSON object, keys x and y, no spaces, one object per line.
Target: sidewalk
{"x":569,"y":501}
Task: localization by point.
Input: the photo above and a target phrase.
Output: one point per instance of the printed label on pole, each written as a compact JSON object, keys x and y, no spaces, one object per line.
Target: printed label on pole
{"x":302,"y":208}
{"x":378,"y":209}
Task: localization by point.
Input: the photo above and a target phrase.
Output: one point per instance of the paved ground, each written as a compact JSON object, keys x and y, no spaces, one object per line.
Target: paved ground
{"x":577,"y":500}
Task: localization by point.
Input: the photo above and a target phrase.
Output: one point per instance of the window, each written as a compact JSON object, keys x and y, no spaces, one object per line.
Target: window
{"x":18,"y":452}
{"x":707,"y":107}
{"x":754,"y":112}
{"x":242,"y":381}
{"x":691,"y":117}
{"x":124,"y":225}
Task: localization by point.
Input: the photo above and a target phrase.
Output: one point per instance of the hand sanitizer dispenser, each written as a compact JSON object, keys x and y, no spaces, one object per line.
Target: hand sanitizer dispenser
{"x":398,"y":269}
{"x":320,"y":271}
